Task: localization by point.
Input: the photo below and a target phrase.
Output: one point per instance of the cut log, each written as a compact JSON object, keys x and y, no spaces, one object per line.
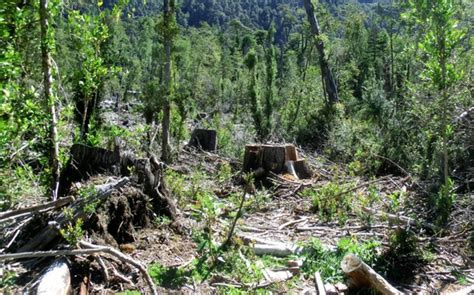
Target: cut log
{"x":204,"y":139}
{"x":362,"y":275}
{"x":56,"y":280}
{"x":302,"y":169}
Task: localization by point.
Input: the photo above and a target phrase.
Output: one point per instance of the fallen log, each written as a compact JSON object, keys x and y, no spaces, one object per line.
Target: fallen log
{"x":4,"y":216}
{"x":362,"y":275}
{"x":51,"y":232}
{"x":399,"y":219}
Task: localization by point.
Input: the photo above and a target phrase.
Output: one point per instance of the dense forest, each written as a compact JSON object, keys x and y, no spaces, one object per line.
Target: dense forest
{"x":237,"y":146}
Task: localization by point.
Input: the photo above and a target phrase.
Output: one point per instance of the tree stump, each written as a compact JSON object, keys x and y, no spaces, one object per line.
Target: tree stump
{"x":275,"y":158}
{"x":302,"y":169}
{"x":204,"y":139}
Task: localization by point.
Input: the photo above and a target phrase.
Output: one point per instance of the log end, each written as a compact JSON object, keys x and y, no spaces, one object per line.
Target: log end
{"x":350,"y":263}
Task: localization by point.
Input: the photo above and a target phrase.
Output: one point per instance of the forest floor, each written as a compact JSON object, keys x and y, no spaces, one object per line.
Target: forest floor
{"x":316,"y":222}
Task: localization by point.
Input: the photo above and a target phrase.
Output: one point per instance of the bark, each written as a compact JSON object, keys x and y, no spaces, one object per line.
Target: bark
{"x":329,"y":83}
{"x":48,"y":95}
{"x":362,"y":275}
{"x":302,"y":169}
{"x":205,"y":139}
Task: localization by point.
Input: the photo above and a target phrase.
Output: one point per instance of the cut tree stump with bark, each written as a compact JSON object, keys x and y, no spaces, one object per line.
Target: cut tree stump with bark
{"x":276,"y":158}
{"x":362,"y":275}
{"x":204,"y":139}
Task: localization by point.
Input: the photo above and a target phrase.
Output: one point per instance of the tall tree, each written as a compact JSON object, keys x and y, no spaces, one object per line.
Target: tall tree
{"x":169,"y":31}
{"x":329,"y":84}
{"x":47,"y":40}
{"x":438,"y":17}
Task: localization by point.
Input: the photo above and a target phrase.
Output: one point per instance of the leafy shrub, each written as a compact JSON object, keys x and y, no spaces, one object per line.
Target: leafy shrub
{"x":327,"y":262}
{"x":331,"y":201}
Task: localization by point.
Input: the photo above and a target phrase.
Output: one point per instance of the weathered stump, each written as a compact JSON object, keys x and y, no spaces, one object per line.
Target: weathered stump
{"x":275,"y":158}
{"x":85,"y":161}
{"x":204,"y":139}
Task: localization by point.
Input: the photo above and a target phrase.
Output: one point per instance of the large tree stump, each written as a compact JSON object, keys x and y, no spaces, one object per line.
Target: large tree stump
{"x":275,"y":158}
{"x":362,"y":275}
{"x":86,"y":161}
{"x":204,"y":139}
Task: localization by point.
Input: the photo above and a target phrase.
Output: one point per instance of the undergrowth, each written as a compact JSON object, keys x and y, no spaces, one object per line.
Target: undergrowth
{"x":327,"y":261}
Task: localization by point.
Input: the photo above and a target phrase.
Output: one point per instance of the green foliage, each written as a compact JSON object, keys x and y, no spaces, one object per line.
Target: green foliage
{"x":444,"y":202}
{"x":225,"y":172}
{"x":87,"y":193}
{"x":72,"y":231}
{"x":331,"y":202}
{"x":7,"y":280}
{"x":166,"y":276}
{"x":328,"y":262}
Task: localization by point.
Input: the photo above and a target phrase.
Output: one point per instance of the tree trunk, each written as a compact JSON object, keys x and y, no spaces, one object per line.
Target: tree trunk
{"x":47,"y":83}
{"x":329,"y":83}
{"x":168,"y":10}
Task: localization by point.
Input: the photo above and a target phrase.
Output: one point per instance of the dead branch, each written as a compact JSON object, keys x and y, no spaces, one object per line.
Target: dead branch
{"x":320,"y":290}
{"x":292,"y":222}
{"x":398,"y":218}
{"x":124,"y":258}
{"x":36,"y":209}
{"x":237,"y":216}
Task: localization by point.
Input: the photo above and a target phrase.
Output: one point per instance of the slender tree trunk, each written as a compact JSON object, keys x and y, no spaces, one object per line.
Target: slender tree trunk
{"x":47,"y":84}
{"x":168,"y":7}
{"x":443,"y":61}
{"x":329,"y":83}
